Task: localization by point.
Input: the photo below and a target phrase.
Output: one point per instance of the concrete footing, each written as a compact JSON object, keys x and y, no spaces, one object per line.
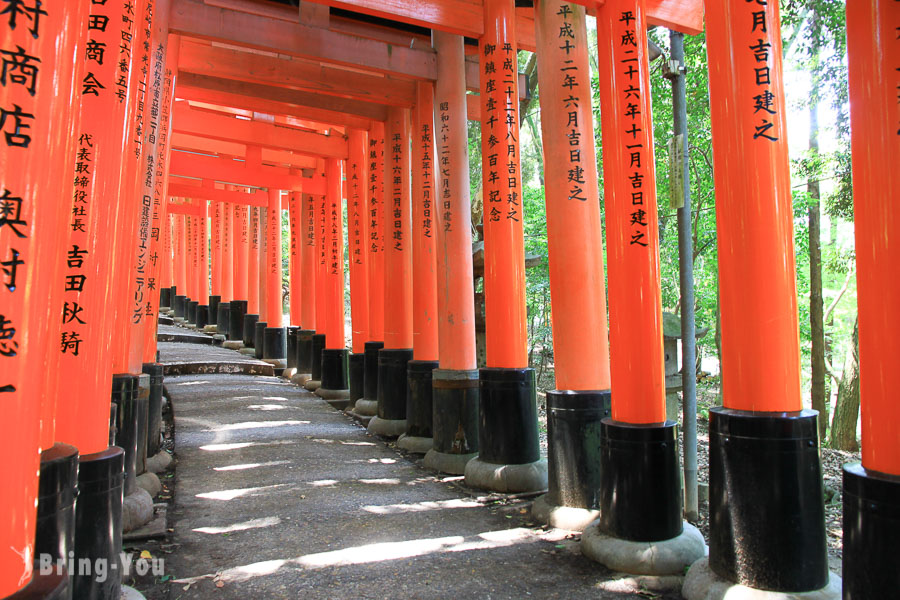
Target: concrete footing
{"x":137,"y":509}
{"x":300,"y":378}
{"x":211,"y":329}
{"x":338,"y":399}
{"x":159,"y":462}
{"x":562,"y":517}
{"x":660,"y":558}
{"x":312,"y":384}
{"x":150,"y":483}
{"x":129,"y":593}
{"x":219,"y":339}
{"x":366,"y":408}
{"x":415,"y":444}
{"x":289,"y":373}
{"x":248,"y":351}
{"x":444,"y":462}
{"x":386,"y":427}
{"x":233,"y":344}
{"x":528,"y":477}
{"x":279,"y":363}
{"x":701,"y":583}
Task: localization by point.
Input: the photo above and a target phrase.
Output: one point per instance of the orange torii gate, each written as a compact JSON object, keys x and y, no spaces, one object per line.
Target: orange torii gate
{"x":258,"y":107}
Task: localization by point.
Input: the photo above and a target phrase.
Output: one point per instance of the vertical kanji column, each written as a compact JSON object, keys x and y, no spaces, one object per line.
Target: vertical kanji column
{"x":38,"y":123}
{"x":418,"y":436}
{"x":215,"y":246}
{"x":307,"y":289}
{"x":640,"y":488}
{"x":367,"y":406}
{"x":180,"y":280}
{"x":392,"y":383}
{"x":335,"y":385}
{"x":166,"y":276}
{"x":274,"y":347}
{"x":223,"y":316}
{"x":509,"y":455}
{"x":202,"y":310}
{"x":294,"y":220}
{"x":762,"y":443}
{"x":252,"y":316}
{"x":872,"y":488}
{"x":357,"y":240}
{"x":577,"y":287}
{"x":455,"y":382}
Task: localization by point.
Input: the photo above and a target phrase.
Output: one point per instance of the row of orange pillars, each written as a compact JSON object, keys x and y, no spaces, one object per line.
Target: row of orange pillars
{"x":83,"y":221}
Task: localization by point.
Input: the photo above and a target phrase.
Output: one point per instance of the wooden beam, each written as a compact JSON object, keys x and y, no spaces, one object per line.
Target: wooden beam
{"x":192,"y":18}
{"x":294,"y":73}
{"x":473,"y":77}
{"x":232,"y":129}
{"x":203,"y":145}
{"x":179,"y":189}
{"x":685,"y":16}
{"x":237,"y":172}
{"x":185,"y":209}
{"x":295,"y":98}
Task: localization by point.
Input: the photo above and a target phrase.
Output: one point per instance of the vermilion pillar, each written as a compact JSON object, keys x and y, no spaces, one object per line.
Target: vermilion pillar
{"x":38,"y":126}
{"x":167,"y":262}
{"x":253,"y":263}
{"x":317,"y":342}
{"x":309,"y":272}
{"x":262,"y":322}
{"x":368,"y":405}
{"x":295,"y":218}
{"x":397,"y":351}
{"x":227,"y":250}
{"x":418,"y":436}
{"x":509,"y":454}
{"x":577,"y":287}
{"x":631,"y":508}
{"x":762,"y":431}
{"x":274,"y":346}
{"x":215,"y":226}
{"x":872,"y":489}
{"x":241,"y":248}
{"x":455,"y":383}
{"x":357,"y":240}
{"x":180,"y":252}
{"x":334,"y":382}
{"x":203,"y":254}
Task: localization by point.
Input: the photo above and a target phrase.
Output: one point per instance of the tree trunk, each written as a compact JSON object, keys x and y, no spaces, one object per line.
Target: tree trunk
{"x":816,"y":304}
{"x":846,"y":408}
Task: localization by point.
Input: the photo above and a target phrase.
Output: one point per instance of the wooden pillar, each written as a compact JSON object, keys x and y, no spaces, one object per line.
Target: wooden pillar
{"x":273,"y":260}
{"x":216,"y":249}
{"x":872,"y":489}
{"x":759,"y":322}
{"x":241,"y":249}
{"x":504,"y":241}
{"x":295,"y":217}
{"x":308,"y":262}
{"x":332,"y":288}
{"x":253,"y":259}
{"x":180,"y":249}
{"x":263,"y":283}
{"x":376,"y":232}
{"x":357,"y":238}
{"x":38,"y":147}
{"x":228,"y":252}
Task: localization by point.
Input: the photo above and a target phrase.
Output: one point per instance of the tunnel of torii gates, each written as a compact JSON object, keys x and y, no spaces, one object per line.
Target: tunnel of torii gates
{"x":150,"y":146}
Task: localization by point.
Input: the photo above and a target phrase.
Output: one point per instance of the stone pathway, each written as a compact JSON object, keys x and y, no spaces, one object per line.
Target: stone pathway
{"x":277,"y":495}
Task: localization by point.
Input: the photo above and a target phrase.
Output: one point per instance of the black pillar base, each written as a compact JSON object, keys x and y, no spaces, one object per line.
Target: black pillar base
{"x":236,"y":311}
{"x":213,"y":316}
{"x":574,"y":439}
{"x":370,"y":377}
{"x":223,"y":318}
{"x":508,"y":430}
{"x":455,"y":400}
{"x":334,"y":369}
{"x":202,"y":316}
{"x":57,"y":489}
{"x":141,"y":409}
{"x":304,"y":350}
{"x":274,"y":344}
{"x":250,"y":330}
{"x":154,"y":406}
{"x":191,"y":312}
{"x":766,"y":508}
{"x":315,"y":361}
{"x":179,"y":306}
{"x":419,"y":406}
{"x":165,"y":297}
{"x":357,"y":376}
{"x":258,"y":338}
{"x":124,"y":396}
{"x":871,"y":533}
{"x":98,"y":522}
{"x":292,"y":347}
{"x":640,"y":483}
{"x":392,"y":383}
{"x":54,"y":585}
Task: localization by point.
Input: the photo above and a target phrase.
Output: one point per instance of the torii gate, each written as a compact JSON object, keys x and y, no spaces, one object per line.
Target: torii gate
{"x":210,"y":99}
